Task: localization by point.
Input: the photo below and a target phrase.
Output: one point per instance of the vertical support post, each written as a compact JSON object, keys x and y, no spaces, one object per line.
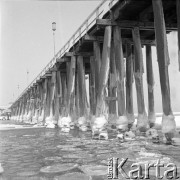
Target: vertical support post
{"x":58,"y":96}
{"x":40,"y":104}
{"x":150,"y":82}
{"x":178,"y":24}
{"x":142,"y":121}
{"x":122,"y":121}
{"x":119,"y":59}
{"x":77,"y":97}
{"x":129,"y":85}
{"x":34,"y":112}
{"x":37,"y":103}
{"x":31,"y":99}
{"x":71,"y":84}
{"x":44,"y":99}
{"x":97,"y":58}
{"x":16,"y":113}
{"x":104,"y":71}
{"x":52,"y":87}
{"x":112,"y":82}
{"x":92,"y":86}
{"x":81,"y":83}
{"x":64,"y":106}
{"x":168,"y":122}
{"x":19,"y":109}
{"x":23,"y":106}
{"x":48,"y":92}
{"x":28,"y":106}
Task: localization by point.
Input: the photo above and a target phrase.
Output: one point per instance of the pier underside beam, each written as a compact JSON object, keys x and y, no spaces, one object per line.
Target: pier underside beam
{"x":124,"y":24}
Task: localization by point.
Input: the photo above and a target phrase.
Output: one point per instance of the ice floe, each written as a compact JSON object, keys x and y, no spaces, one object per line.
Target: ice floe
{"x":27,"y":173}
{"x":73,"y":176}
{"x":1,"y":169}
{"x":94,"y":170}
{"x":56,"y":168}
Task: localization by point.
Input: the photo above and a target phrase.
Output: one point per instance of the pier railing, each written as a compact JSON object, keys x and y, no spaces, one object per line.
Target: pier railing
{"x":98,"y":13}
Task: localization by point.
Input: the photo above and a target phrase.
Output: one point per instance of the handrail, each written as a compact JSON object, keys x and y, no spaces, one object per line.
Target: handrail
{"x":82,"y":30}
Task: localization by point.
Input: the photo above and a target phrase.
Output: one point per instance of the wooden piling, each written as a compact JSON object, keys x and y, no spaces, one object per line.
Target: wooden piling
{"x":163,"y":55}
{"x":34,"y":98}
{"x":97,"y":58}
{"x":71,"y":84}
{"x":81,"y":84}
{"x":19,"y":109}
{"x":150,"y":82}
{"x":77,"y":97}
{"x":142,"y":121}
{"x":120,"y":71}
{"x":28,"y":105}
{"x":58,"y":96}
{"x":63,"y":106}
{"x":129,"y":84}
{"x":92,"y":89}
{"x":104,"y":71}
{"x":48,"y":96}
{"x":45,"y":84}
{"x":40,"y":104}
{"x":112,"y":82}
{"x":178,"y":24}
{"x":168,"y":122}
{"x":25,"y":107}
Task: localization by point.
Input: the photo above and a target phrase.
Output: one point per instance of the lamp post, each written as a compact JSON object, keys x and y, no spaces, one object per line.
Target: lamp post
{"x":18,"y":89}
{"x":27,"y":77}
{"x":54,"y":29}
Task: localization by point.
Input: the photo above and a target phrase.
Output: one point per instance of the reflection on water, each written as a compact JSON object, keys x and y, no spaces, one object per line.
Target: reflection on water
{"x":51,"y":154}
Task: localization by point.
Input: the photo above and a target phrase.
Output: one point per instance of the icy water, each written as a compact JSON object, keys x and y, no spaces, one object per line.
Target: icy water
{"x":45,"y":154}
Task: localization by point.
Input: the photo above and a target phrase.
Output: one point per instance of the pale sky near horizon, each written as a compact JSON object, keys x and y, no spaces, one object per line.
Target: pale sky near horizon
{"x":27,"y":39}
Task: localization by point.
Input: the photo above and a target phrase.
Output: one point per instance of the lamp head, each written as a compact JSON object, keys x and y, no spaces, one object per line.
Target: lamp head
{"x":53,"y":26}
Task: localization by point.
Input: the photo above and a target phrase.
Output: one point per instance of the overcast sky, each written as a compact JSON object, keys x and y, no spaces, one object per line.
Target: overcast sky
{"x":27,"y":39}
